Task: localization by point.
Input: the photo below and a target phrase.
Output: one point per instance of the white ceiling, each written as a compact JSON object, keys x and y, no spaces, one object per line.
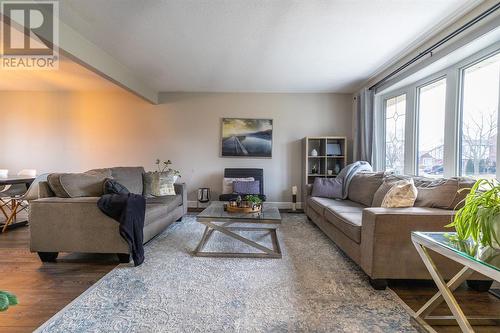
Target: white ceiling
{"x":243,"y":45}
{"x":256,"y":45}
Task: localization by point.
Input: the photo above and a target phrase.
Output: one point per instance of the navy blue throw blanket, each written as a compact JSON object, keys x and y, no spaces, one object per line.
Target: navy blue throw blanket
{"x":129,"y":210}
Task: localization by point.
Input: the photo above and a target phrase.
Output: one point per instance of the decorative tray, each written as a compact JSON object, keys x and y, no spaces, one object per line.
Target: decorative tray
{"x":233,"y":209}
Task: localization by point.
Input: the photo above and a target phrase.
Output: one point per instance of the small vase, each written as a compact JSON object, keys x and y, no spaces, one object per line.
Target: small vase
{"x":337,"y":169}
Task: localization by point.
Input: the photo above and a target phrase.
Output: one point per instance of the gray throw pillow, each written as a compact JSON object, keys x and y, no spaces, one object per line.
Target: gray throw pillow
{"x":75,"y":185}
{"x":327,"y":188}
{"x":244,"y":187}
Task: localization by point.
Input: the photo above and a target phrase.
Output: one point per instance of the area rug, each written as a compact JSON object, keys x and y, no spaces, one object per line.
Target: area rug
{"x":314,"y":288}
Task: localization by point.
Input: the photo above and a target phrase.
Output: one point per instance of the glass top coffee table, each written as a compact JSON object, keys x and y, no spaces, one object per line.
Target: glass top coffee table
{"x":216,"y":219}
{"x":474,"y":258}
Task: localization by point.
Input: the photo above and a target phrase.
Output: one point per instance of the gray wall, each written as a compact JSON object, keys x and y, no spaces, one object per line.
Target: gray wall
{"x":57,"y":131}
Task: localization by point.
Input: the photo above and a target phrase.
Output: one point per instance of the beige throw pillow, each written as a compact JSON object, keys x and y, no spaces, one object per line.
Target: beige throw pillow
{"x":159,"y":183}
{"x":402,"y":194}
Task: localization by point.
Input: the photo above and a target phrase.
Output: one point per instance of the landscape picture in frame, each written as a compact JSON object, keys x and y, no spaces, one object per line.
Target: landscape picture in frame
{"x":247,"y":137}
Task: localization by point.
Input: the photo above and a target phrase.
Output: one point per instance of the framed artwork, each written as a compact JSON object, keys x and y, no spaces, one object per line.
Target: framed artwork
{"x":247,"y":137}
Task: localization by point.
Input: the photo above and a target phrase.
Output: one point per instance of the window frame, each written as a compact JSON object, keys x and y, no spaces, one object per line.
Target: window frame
{"x":453,"y":116}
{"x":394,"y":94}
{"x":461,"y":73}
{"x":418,"y":87}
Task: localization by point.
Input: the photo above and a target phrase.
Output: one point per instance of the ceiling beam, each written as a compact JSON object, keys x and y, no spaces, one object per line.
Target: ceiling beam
{"x":80,"y":50}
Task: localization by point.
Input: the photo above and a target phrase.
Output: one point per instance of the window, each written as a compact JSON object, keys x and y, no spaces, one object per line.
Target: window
{"x":478,"y":149}
{"x":444,"y":124}
{"x":395,"y":113}
{"x":431,"y":113}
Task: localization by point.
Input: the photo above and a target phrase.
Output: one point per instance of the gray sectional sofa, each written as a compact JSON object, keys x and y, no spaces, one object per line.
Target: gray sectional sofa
{"x":378,"y":239}
{"x":75,"y":224}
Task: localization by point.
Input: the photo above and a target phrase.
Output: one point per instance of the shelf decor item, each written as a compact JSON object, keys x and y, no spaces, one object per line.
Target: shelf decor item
{"x":314,"y":169}
{"x":314,"y":153}
{"x":247,"y":137}
{"x":479,"y":218}
{"x":333,"y":149}
{"x":337,"y":168}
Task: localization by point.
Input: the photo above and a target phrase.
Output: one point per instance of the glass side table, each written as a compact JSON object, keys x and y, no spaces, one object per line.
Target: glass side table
{"x":485,"y":260}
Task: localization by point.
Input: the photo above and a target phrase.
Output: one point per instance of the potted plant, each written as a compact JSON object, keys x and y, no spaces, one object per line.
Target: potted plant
{"x":7,"y":299}
{"x":479,"y":218}
{"x":254,"y":201}
{"x":164,"y":168}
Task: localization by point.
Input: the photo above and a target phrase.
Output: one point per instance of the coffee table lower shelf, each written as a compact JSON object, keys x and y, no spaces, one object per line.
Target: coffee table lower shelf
{"x":225,"y":228}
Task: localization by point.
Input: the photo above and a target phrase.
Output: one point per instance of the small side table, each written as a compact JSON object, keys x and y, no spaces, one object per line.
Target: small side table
{"x":485,"y":261}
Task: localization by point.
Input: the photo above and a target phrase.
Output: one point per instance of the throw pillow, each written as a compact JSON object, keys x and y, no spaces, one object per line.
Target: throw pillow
{"x":364,"y":185}
{"x":227,"y":183}
{"x":251,"y":187}
{"x":327,"y":188}
{"x":444,"y":193}
{"x":389,"y":181}
{"x":159,"y":183}
{"x":402,"y":194}
{"x":74,"y":185}
{"x":111,"y":186}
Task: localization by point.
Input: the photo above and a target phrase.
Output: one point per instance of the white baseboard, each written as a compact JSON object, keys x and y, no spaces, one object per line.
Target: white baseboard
{"x":279,"y":205}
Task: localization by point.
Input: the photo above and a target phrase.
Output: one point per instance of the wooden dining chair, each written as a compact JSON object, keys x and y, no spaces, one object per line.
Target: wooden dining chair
{"x":21,"y":203}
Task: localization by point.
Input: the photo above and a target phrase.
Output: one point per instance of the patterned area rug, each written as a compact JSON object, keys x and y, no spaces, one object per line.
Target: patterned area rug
{"x":314,"y":288}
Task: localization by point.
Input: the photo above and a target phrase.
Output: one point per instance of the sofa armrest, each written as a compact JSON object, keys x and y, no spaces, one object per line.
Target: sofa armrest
{"x":306,"y":193}
{"x":386,"y":247}
{"x":73,"y":225}
{"x":181,"y":189}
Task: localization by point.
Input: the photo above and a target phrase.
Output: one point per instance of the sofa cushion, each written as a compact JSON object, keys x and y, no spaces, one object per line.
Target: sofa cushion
{"x":364,"y":185}
{"x":154,"y":212}
{"x":75,"y":185}
{"x":130,"y":177}
{"x":389,"y":181}
{"x":170,"y":201}
{"x":443,"y":192}
{"x":320,"y":204}
{"x":348,"y":222}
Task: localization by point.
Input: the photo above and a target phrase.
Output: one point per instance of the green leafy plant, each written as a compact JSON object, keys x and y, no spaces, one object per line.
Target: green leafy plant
{"x":164,"y":166}
{"x":479,"y":216}
{"x":7,"y":299}
{"x":254,"y":199}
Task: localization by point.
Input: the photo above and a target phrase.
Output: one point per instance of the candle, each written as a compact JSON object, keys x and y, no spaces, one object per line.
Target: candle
{"x":294,"y":190}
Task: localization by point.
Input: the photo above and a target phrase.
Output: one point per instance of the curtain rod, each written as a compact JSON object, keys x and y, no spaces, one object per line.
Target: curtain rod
{"x":438,"y":44}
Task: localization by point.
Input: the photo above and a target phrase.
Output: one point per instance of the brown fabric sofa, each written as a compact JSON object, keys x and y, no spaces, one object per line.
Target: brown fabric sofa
{"x":77,"y":225}
{"x":378,"y":239}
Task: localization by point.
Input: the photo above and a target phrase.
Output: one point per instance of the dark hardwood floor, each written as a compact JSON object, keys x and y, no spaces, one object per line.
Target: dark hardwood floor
{"x":44,"y":289}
